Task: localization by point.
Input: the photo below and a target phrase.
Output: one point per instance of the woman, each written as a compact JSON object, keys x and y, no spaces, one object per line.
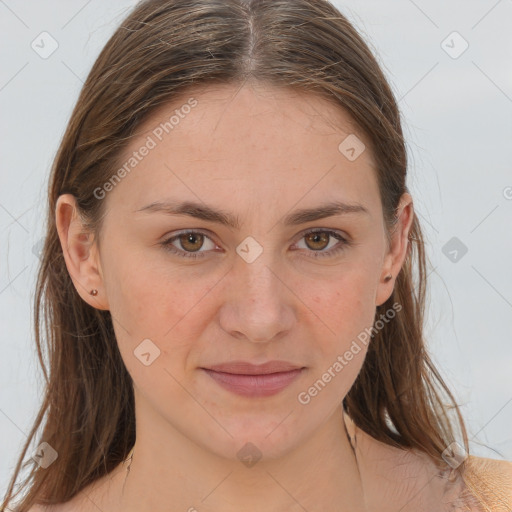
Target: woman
{"x":232,"y":312}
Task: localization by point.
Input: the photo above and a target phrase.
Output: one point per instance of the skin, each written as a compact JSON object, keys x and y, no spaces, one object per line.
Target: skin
{"x":259,"y":153}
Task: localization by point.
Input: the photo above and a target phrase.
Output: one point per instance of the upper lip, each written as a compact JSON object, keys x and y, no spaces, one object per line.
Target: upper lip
{"x":246,"y":368}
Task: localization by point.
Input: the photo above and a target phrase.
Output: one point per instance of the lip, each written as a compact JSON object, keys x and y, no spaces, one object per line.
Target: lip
{"x":246,"y":368}
{"x":246,"y":379}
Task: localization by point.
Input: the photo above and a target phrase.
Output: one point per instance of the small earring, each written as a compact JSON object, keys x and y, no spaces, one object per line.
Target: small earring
{"x":94,"y":292}
{"x":387,"y":278}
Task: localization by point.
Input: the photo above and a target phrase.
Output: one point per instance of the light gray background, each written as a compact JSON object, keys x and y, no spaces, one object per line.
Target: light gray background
{"x":458,"y":123}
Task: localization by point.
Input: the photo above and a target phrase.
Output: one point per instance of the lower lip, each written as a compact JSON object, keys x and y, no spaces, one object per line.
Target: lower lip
{"x":254,"y":385}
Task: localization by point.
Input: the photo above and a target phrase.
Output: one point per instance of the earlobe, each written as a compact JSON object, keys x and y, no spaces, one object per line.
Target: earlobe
{"x":398,"y":250}
{"x":80,"y":253}
{"x":384,"y":290}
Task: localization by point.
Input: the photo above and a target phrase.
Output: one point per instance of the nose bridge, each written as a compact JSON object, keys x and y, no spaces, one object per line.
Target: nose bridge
{"x":257,"y":306}
{"x":254,"y":271}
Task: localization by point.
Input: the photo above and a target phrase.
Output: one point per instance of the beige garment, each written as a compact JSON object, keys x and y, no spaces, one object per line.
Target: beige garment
{"x":489,"y":482}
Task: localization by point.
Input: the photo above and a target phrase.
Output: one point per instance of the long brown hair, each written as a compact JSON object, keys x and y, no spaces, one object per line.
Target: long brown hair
{"x":162,"y":50}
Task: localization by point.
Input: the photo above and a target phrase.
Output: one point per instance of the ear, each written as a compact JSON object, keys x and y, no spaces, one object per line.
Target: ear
{"x":397,"y":252}
{"x":80,"y":252}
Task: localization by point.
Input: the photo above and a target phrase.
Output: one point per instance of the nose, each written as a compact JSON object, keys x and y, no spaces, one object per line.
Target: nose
{"x":258,"y":306}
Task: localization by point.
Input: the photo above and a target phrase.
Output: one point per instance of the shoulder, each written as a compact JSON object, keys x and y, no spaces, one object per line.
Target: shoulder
{"x":408,"y":480}
{"x":46,"y":508}
{"x":78,"y":503}
{"x":58,"y":507}
{"x":395,"y":478}
{"x":93,"y":497}
{"x":416,"y":483}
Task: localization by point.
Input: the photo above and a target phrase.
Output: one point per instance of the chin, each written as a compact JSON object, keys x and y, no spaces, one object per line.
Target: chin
{"x":257,"y":436}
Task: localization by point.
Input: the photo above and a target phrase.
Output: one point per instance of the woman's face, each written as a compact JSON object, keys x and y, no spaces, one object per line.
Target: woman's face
{"x":262,"y":289}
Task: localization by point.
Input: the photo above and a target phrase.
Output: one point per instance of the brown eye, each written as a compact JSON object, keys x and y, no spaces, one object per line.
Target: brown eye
{"x":189,"y":244}
{"x":321,"y":243}
{"x":191,"y":241}
{"x":317,"y":240}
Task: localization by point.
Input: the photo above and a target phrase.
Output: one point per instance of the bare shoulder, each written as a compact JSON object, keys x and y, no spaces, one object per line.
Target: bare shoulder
{"x":78,"y":503}
{"x":48,"y":508}
{"x":92,"y":498}
{"x":397,"y":479}
{"x":409,"y":480}
{"x":59,"y":507}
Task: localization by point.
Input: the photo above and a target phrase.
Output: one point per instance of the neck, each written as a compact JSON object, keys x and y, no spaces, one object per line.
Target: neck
{"x":319,"y":474}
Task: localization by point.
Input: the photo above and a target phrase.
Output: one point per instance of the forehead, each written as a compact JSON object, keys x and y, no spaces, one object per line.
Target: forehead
{"x":253,"y":140}
{"x":226,"y":108}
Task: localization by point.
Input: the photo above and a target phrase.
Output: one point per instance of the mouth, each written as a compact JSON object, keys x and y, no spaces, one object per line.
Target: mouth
{"x":254,"y":380}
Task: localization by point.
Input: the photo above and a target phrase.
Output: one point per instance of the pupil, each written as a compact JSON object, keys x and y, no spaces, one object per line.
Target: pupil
{"x":319,"y":237}
{"x":192,"y":239}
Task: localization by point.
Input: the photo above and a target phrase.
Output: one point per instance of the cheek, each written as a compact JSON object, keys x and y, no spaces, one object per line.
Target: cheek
{"x":345,"y":306}
{"x":150,"y":302}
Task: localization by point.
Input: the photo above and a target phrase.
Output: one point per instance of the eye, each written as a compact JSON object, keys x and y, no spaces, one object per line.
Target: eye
{"x":317,"y":240}
{"x":188,"y":240}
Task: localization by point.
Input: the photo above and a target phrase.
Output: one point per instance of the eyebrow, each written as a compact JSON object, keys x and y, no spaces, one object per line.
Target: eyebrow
{"x":204,"y":212}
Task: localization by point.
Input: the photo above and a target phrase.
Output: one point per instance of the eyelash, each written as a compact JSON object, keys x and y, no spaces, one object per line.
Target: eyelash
{"x":344,"y":243}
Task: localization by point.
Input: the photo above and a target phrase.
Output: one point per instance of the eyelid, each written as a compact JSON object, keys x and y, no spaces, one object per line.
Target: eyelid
{"x":344,"y":241}
{"x":298,"y":236}
{"x":176,"y":234}
{"x":339,"y":232}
